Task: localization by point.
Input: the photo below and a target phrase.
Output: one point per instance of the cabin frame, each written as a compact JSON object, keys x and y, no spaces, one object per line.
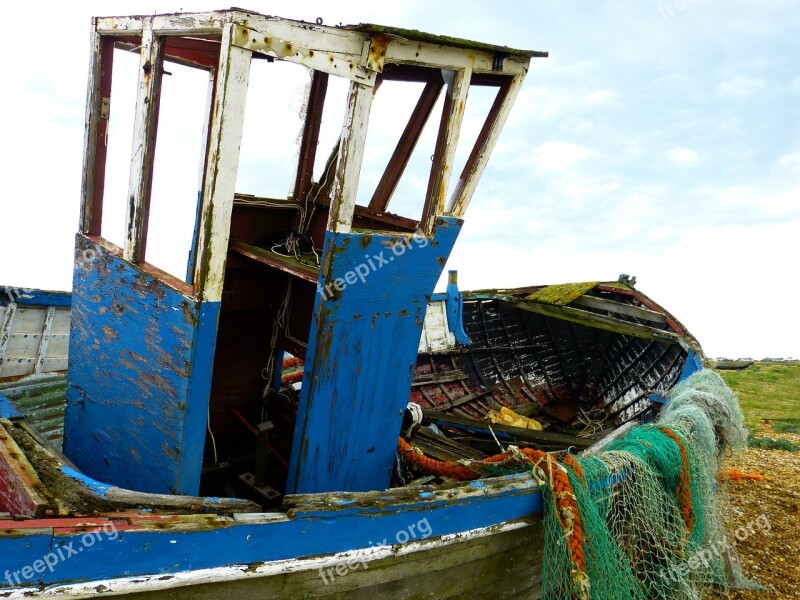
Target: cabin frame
{"x":137,"y":362}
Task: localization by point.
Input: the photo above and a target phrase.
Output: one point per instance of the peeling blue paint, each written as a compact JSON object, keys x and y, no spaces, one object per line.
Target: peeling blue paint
{"x":307,"y":534}
{"x":101,"y":489}
{"x":692,"y":365}
{"x":361,"y":357}
{"x":139,"y":379}
{"x":7,"y":410}
{"x":25,"y":297}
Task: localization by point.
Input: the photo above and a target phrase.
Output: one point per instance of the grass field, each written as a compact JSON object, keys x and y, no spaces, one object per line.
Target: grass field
{"x":767,"y":390}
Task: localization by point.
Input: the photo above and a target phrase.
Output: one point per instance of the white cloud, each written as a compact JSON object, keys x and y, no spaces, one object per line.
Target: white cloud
{"x":558,"y":156}
{"x":791,"y":162}
{"x":601,"y":97}
{"x":739,"y":86}
{"x":683,"y":156}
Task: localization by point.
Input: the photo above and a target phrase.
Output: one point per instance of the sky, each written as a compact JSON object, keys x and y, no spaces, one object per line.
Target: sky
{"x":660,"y":139}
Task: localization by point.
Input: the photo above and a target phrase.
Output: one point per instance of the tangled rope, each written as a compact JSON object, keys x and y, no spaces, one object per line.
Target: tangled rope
{"x":550,"y":472}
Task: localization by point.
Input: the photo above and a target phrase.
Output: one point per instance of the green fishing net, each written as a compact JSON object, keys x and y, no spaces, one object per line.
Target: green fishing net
{"x":649,"y":506}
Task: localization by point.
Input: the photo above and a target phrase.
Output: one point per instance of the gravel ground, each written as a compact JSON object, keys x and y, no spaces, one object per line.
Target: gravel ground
{"x":768,"y":552}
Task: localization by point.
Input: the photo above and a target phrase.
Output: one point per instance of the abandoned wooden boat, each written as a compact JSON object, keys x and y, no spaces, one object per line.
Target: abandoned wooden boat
{"x":34,"y":332}
{"x":725,"y":364}
{"x":200,"y":460}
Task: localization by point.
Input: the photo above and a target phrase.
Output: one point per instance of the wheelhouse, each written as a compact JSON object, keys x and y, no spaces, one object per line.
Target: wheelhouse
{"x":292,"y":189}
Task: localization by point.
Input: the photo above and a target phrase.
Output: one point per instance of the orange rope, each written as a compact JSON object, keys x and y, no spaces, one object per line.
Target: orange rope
{"x":573,"y":464}
{"x":556,"y":476}
{"x":292,"y":377}
{"x":684,"y":491}
{"x":292,"y":361}
{"x":737,"y":475}
{"x":439,"y":468}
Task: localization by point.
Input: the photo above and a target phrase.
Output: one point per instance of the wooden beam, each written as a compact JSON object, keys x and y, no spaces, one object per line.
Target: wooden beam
{"x":583,"y":317}
{"x":44,"y":342}
{"x":446,"y":144}
{"x":311,"y":126}
{"x":304,"y":50}
{"x":621,"y":308}
{"x":405,"y":146}
{"x":5,"y":330}
{"x":351,"y":154}
{"x":144,"y":144}
{"x":451,"y":404}
{"x":435,"y":378}
{"x":544,"y":438}
{"x":476,"y":164}
{"x":95,"y":147}
{"x":222,"y":164}
{"x":287,"y":264}
{"x":444,"y":57}
{"x":441,"y":447}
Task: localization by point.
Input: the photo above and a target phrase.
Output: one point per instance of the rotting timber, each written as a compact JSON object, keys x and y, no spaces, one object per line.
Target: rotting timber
{"x":191,"y":432}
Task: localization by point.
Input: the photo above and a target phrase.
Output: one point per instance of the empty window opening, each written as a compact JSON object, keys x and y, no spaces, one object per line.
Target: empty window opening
{"x":273,"y":127}
{"x":177,"y":171}
{"x":121,"y":112}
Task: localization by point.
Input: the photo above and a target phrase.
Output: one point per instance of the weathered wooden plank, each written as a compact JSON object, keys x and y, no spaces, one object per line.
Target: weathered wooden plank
{"x":351,"y":154}
{"x":95,"y":148}
{"x":23,"y":345}
{"x":444,"y":57}
{"x":445,"y":152}
{"x":20,"y":488}
{"x":450,"y":404}
{"x":436,"y":335}
{"x":137,"y":401}
{"x":330,"y":61}
{"x":620,"y":308}
{"x":547,"y":438}
{"x":222,"y":166}
{"x":58,"y":346}
{"x":284,"y":263}
{"x":61,"y":321}
{"x":144,"y":143}
{"x":590,"y":319}
{"x":494,"y":563}
{"x":5,"y":333}
{"x":55,"y":364}
{"x":42,"y":351}
{"x":357,"y":385}
{"x":29,"y":319}
{"x":442,"y":447}
{"x":467,"y":183}
{"x":442,"y":377}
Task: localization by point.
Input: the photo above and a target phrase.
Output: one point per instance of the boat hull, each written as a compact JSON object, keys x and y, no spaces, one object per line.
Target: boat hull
{"x":496,"y":562}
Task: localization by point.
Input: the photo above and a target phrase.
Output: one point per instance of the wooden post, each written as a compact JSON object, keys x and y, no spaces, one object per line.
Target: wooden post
{"x":351,"y":154}
{"x":446,"y":147}
{"x":222,"y":164}
{"x":462,"y":194}
{"x":98,"y":106}
{"x":144,"y":145}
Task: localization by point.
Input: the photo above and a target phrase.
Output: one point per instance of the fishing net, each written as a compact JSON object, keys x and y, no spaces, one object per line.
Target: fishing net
{"x":640,"y":518}
{"x":650,"y":506}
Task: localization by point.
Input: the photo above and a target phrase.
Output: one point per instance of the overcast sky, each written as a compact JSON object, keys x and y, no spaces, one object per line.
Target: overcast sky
{"x":660,"y":139}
